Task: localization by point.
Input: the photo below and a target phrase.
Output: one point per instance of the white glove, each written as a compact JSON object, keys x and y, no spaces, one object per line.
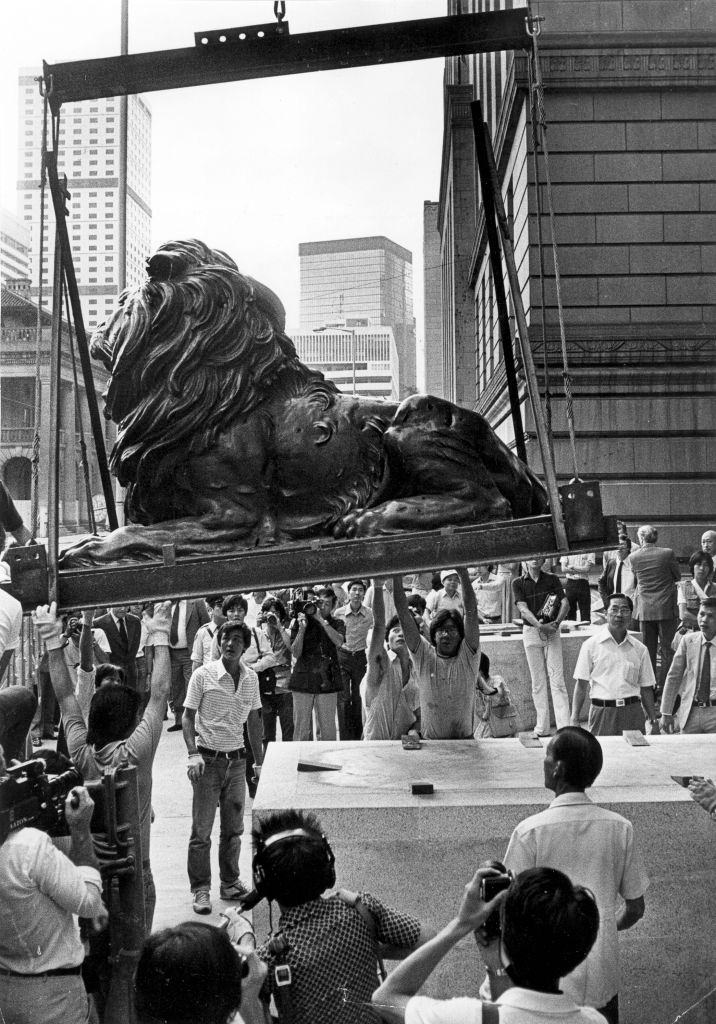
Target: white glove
{"x":48,"y":626}
{"x":159,"y":625}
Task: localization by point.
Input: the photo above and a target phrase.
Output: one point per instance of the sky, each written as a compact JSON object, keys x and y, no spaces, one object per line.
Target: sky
{"x":254,"y":168}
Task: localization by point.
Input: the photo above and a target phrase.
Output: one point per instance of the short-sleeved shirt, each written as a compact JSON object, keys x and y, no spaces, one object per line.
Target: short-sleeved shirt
{"x":358,"y":625}
{"x":332,"y":957}
{"x":392,"y":710}
{"x":221,"y":708}
{"x":447,"y":691}
{"x":614,"y":670}
{"x":517,"y":1006}
{"x":489,"y":596}
{"x":201,"y":652}
{"x":138,"y":750}
{"x":440,"y":601}
{"x":535,"y":592}
{"x":10,"y":622}
{"x":595,"y":848}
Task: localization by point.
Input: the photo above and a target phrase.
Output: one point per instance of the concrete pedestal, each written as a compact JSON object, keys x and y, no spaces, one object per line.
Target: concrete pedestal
{"x":417,"y":852}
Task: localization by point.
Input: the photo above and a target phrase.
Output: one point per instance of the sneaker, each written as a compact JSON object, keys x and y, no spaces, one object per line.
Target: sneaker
{"x":238,"y":928}
{"x":236,"y":891}
{"x":202,"y":902}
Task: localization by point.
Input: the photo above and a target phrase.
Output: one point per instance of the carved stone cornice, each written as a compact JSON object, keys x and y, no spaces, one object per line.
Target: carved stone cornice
{"x":628,"y":66}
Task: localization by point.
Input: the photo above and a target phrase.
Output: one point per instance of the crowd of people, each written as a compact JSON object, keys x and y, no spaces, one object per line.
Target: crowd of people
{"x":352,"y":660}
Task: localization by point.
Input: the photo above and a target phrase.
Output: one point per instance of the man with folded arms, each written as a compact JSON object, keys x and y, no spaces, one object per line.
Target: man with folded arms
{"x":616,"y":669}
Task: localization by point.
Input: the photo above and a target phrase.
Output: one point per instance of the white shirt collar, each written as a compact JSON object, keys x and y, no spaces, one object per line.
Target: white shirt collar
{"x":548,"y":1003}
{"x":570,"y":798}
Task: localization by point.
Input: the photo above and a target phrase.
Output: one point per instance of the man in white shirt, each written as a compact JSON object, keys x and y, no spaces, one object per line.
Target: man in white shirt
{"x":596,"y":848}
{"x":576,"y":588}
{"x":449,"y":598}
{"x":44,"y":892}
{"x":204,"y":639}
{"x":488,"y":591}
{"x":547,"y":927}
{"x":221,"y":697}
{"x":616,"y":669}
{"x":358,"y":621}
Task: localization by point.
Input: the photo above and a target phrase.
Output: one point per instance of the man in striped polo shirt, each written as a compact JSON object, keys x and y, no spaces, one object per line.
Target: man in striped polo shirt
{"x":222,"y":695}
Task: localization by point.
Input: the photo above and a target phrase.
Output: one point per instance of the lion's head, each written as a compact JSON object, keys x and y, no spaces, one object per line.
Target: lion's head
{"x":192,"y":350}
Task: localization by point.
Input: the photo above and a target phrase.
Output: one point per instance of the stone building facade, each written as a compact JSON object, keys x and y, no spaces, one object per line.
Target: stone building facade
{"x":630,"y":99}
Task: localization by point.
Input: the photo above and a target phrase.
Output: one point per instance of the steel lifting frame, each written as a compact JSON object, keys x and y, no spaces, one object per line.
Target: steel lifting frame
{"x":263,"y":51}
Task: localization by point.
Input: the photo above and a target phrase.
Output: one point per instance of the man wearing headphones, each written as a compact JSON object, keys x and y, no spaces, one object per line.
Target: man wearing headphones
{"x":323,"y":960}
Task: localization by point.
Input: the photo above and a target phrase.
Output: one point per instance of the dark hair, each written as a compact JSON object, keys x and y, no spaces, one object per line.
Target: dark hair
{"x":484,"y":665}
{"x":708,"y":602}
{"x":548,"y":926}
{"x":299,"y":869}
{"x":112,"y":714}
{"x":327,"y":592}
{"x":447,"y":615}
{"x":234,"y":601}
{"x":277,"y":605}
{"x":620,"y":597}
{"x":190,"y":974}
{"x":701,"y":558}
{"x":108,"y":669}
{"x":235,"y":627}
{"x":55,"y":762}
{"x":417,"y":601}
{"x":356,"y":583}
{"x":214,"y":599}
{"x":395,"y":621}
{"x":580,"y":753}
{"x":623,"y":539}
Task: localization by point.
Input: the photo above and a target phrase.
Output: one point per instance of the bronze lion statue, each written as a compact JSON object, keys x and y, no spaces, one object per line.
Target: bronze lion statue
{"x":225,"y":439}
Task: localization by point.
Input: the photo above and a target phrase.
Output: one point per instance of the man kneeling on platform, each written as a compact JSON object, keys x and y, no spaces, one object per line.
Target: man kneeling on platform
{"x":324,"y":958}
{"x":546,"y":928}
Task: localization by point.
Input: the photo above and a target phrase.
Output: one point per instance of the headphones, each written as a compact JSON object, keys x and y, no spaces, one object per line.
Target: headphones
{"x":265,"y":882}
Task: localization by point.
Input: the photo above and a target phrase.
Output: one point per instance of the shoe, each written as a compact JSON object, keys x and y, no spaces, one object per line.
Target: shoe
{"x":238,"y":928}
{"x":175,"y":728}
{"x":202,"y":902}
{"x":236,"y":891}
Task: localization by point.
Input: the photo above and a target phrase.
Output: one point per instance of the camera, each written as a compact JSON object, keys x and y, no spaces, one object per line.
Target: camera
{"x":490,"y":887}
{"x":303,"y":601}
{"x":31,"y":798}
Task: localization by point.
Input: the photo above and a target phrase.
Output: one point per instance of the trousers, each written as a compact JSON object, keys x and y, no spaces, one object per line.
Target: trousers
{"x":180,"y":658}
{"x":544,"y":659}
{"x":222,"y":783}
{"x":658,"y":633}
{"x":54,"y":1000}
{"x":350,"y":708}
{"x":304,"y":705}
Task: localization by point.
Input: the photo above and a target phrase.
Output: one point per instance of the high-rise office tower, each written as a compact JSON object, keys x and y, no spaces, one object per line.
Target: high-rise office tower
{"x":14,"y":248}
{"x":110,"y":195}
{"x":361,"y":282}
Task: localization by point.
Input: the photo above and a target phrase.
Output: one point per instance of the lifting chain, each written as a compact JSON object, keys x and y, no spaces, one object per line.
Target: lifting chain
{"x":279,"y":9}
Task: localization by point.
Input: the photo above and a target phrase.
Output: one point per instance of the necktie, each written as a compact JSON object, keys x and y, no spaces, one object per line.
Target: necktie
{"x":705,"y":677}
{"x":618,"y":579}
{"x":174,"y":630}
{"x":123,"y":633}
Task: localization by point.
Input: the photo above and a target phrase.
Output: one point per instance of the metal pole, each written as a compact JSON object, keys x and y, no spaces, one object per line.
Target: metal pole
{"x":123,"y":118}
{"x":548,"y":467}
{"x":53,"y":491}
{"x":353,"y":356}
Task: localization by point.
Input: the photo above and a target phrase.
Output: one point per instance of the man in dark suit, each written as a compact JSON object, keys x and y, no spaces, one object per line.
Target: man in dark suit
{"x":123,"y":631}
{"x":187,"y":617}
{"x":656,"y":572}
{"x":618,"y":577}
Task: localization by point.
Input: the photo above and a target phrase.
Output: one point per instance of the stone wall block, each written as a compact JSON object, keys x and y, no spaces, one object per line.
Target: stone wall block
{"x":664,"y":259}
{"x":672,"y":196}
{"x":662,"y":135}
{"x":633,"y":227}
{"x":625,"y":104}
{"x":589,"y":198}
{"x":691,"y":289}
{"x":688,"y":104}
{"x":647,"y":15}
{"x":632,"y":291}
{"x":627,"y":167}
{"x":577,"y":16}
{"x":690,"y":227}
{"x":607,"y":136}
{"x":689,"y":167}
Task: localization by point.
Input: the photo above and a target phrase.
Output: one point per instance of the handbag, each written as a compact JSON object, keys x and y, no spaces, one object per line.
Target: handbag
{"x":501,"y":715}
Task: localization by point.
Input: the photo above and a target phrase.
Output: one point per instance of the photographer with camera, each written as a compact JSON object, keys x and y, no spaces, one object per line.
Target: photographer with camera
{"x":546,"y":928}
{"x":316,"y":680}
{"x":324,"y":958}
{"x":273,"y":667}
{"x":44,"y":893}
{"x":194,"y":974}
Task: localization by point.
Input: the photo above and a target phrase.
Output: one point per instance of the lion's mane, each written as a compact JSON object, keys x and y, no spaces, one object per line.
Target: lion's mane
{"x":193,"y":350}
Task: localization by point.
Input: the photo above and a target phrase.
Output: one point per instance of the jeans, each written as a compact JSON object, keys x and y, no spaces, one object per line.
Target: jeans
{"x":303,"y":706}
{"x":659,"y":633}
{"x":350,"y":717}
{"x":544,"y":659}
{"x":53,"y":1000}
{"x":278,"y":706}
{"x":223,"y":783}
{"x":181,"y":674}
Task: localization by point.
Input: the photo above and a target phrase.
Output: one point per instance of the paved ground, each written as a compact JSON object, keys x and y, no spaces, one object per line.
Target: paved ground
{"x":170,"y":837}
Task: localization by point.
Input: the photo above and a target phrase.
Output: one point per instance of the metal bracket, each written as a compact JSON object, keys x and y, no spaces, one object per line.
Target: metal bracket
{"x":235,"y":36}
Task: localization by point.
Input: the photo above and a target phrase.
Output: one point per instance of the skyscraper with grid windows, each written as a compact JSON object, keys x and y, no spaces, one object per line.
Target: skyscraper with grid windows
{"x":110,"y":196}
{"x":361,"y":282}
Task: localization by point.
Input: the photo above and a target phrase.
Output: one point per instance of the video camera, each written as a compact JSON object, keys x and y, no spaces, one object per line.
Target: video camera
{"x":30,"y":798}
{"x":304,"y":600}
{"x":490,"y":887}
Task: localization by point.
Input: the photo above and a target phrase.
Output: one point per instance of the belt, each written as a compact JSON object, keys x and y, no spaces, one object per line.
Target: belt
{"x":230,"y":755}
{"x":55,"y":973}
{"x":705,"y":703}
{"x":615,"y":703}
